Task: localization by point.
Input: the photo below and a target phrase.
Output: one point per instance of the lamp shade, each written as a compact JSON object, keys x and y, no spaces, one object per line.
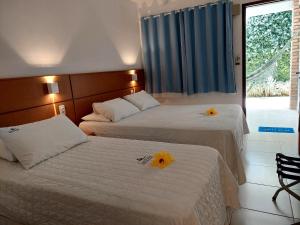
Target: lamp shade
{"x":134,"y":77}
{"x":53,"y":88}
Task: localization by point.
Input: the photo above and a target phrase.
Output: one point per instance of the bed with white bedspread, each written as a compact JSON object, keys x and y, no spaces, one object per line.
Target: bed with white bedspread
{"x":185,"y":124}
{"x":100,"y":182}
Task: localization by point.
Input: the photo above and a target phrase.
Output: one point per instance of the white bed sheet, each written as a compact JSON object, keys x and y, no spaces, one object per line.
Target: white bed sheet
{"x":100,"y":182}
{"x":185,"y":125}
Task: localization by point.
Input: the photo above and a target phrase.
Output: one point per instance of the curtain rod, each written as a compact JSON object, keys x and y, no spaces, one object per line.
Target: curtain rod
{"x":179,"y":10}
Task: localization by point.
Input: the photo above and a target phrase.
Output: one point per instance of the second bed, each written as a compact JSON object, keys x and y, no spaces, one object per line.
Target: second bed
{"x":184,"y":124}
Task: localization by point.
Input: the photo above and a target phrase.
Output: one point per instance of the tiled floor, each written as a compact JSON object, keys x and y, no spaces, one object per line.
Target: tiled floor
{"x":259,"y":160}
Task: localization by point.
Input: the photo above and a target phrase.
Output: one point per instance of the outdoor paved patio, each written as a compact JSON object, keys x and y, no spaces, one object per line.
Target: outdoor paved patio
{"x":267,"y":103}
{"x":270,"y":111}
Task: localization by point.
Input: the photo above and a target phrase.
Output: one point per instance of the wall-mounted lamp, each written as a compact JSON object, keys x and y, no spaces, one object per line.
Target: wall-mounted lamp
{"x":53,"y":88}
{"x":134,"y":77}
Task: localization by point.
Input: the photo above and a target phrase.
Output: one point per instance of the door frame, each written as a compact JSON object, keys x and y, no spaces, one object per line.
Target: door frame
{"x":244,"y":7}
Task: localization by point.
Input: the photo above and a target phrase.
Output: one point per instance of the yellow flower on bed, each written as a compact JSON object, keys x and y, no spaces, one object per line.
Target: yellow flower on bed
{"x":162,"y":159}
{"x":212,"y":112}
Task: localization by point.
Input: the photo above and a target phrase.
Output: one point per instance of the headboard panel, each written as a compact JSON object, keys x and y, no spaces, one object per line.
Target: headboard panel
{"x":35,"y":114}
{"x":83,"y":106}
{"x":26,"y":100}
{"x":98,"y":87}
{"x":89,"y":84}
{"x":23,"y":93}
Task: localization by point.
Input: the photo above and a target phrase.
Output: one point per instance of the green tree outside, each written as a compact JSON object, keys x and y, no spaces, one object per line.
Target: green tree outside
{"x":265,"y":36}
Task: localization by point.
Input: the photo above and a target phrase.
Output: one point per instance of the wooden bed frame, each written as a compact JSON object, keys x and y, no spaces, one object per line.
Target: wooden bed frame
{"x":26,"y":100}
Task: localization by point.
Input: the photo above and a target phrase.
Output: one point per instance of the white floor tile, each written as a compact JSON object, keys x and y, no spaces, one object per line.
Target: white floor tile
{"x":255,"y":136}
{"x":289,"y":148}
{"x":296,"y":187}
{"x":290,"y":138}
{"x":265,"y":175}
{"x":249,"y":217}
{"x":259,"y":158}
{"x":263,"y":146}
{"x":260,"y":164}
{"x":259,"y":197}
{"x":296,"y":205}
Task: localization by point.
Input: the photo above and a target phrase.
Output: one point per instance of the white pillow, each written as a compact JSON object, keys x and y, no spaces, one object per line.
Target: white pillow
{"x":115,"y":109}
{"x":36,"y":142}
{"x":95,"y":117}
{"x":5,"y":153}
{"x":142,"y":100}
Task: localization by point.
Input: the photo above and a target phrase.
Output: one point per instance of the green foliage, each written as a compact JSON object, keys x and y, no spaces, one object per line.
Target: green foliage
{"x":266,"y":35}
{"x":269,"y":88}
{"x":283,"y":66}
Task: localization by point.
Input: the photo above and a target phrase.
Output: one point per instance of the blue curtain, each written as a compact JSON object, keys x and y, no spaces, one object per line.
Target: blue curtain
{"x":190,"y":51}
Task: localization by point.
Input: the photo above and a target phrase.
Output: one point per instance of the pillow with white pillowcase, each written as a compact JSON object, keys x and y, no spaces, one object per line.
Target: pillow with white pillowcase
{"x":115,"y":109}
{"x":95,"y":117}
{"x":5,"y":153}
{"x":36,"y":142}
{"x":142,"y":100}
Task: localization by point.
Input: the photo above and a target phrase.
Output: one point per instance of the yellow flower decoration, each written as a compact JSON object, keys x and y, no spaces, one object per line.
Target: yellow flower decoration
{"x":211,"y":112}
{"x":162,"y":159}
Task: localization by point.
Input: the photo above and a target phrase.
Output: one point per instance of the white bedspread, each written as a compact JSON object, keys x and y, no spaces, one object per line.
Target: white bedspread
{"x":101,"y":183}
{"x":185,"y":125}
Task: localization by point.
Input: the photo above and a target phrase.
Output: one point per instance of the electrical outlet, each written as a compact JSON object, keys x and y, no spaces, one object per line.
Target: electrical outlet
{"x":237,"y":60}
{"x":132,"y":91}
{"x":62,"y":109}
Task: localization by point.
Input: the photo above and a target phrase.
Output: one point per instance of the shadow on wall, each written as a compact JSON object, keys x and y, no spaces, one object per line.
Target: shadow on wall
{"x":123,"y":33}
{"x":107,"y":36}
{"x":62,"y":36}
{"x":10,"y":56}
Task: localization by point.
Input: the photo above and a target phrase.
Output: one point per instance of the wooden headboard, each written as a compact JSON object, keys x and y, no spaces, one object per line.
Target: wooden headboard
{"x":98,"y":87}
{"x":26,"y":100}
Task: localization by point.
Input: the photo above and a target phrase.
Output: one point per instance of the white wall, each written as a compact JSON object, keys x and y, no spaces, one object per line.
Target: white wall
{"x":72,"y":36}
{"x":67,"y":36}
{"x":150,"y":7}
